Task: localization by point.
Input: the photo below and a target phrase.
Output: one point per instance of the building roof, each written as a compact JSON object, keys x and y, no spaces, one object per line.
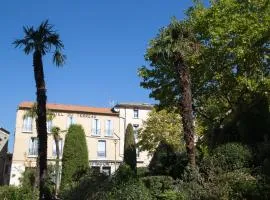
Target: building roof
{"x":71,"y":108}
{"x":146,"y":106}
{"x":4,"y":130}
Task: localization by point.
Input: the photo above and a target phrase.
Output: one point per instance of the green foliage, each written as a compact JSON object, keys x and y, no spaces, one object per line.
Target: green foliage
{"x":234,"y":66}
{"x":166,"y":161}
{"x":28,"y":178}
{"x":130,"y":157}
{"x":232,"y":156}
{"x":161,"y":126}
{"x":75,"y":156}
{"x":122,"y":185}
{"x":157,"y":185}
{"x":172,"y":42}
{"x":142,"y":171}
{"x":133,"y":189}
{"x":90,"y":186}
{"x":18,"y":193}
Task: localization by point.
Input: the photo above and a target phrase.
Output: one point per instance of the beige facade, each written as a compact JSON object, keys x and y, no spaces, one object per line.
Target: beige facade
{"x":104,"y":131}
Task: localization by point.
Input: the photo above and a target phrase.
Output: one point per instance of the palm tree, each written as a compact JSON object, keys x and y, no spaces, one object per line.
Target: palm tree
{"x":172,"y":51}
{"x":32,"y":112}
{"x":40,"y":41}
{"x":56,"y":136}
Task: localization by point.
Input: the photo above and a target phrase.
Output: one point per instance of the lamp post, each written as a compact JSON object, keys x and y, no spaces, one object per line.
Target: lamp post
{"x":115,"y":142}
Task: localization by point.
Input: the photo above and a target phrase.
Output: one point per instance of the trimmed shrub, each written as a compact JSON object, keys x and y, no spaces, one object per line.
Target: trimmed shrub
{"x":232,"y":156}
{"x":133,"y":189}
{"x":130,"y":157}
{"x":75,"y":156}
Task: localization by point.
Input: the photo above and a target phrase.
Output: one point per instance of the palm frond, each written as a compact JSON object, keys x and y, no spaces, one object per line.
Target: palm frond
{"x":32,"y":112}
{"x":50,"y":115}
{"x":42,"y":39}
{"x":59,"y":58}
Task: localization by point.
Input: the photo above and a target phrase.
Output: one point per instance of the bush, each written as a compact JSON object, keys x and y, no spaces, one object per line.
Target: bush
{"x":171,"y":195}
{"x":122,"y":185}
{"x":158,"y":184}
{"x":232,"y":156}
{"x":133,"y":189}
{"x":75,"y":156}
{"x":166,"y":161}
{"x":18,"y":193}
{"x":91,"y":186}
{"x":142,"y":171}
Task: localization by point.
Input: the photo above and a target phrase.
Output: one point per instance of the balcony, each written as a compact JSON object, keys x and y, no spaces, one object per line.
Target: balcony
{"x":95,"y":132}
{"x":33,"y":152}
{"x":109,"y":133}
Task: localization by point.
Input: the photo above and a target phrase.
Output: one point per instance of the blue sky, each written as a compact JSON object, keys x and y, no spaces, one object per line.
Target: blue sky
{"x":105,"y":42}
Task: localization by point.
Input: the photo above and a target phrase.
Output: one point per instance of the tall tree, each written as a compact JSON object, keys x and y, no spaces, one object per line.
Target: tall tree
{"x":40,"y":41}
{"x":75,"y":156}
{"x":234,"y":64}
{"x":130,"y":157}
{"x":170,"y":55}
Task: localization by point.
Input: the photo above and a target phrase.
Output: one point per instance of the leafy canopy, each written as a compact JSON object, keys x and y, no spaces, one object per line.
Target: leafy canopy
{"x":161,"y":126}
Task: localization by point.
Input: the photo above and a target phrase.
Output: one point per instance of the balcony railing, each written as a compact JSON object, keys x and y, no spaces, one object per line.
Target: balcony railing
{"x":95,"y":131}
{"x":33,"y":152}
{"x":109,"y":132}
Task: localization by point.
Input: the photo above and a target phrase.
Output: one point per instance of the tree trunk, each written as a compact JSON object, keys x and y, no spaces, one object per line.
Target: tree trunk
{"x":186,"y":109}
{"x":56,"y":139}
{"x":41,"y":121}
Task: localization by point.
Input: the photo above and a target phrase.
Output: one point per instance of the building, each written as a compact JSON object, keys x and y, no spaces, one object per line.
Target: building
{"x":104,"y":131}
{"x":5,"y":157}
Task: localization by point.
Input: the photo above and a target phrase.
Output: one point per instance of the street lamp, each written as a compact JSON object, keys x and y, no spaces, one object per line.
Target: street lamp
{"x":115,"y":142}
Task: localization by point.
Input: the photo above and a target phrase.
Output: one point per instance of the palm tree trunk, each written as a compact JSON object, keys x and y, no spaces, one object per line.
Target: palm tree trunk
{"x":185,"y":104}
{"x":56,"y":139}
{"x":41,"y":121}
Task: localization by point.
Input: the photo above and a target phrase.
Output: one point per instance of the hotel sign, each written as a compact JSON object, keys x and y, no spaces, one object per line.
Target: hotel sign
{"x":78,"y":115}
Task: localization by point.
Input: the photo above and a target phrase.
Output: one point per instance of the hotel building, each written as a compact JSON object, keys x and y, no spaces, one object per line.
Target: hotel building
{"x":104,"y":131}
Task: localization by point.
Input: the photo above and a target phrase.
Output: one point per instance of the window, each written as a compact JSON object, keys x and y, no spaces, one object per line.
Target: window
{"x":33,"y":147}
{"x":109,"y":128}
{"x":136,"y":113}
{"x":70,"y":121}
{"x":60,"y":142}
{"x":101,"y":152}
{"x":27,"y":124}
{"x":95,"y":127}
{"x":106,"y":171}
{"x":49,"y":126}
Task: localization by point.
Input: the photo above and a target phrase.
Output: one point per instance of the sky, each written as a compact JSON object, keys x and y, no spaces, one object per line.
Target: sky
{"x":105,"y":42}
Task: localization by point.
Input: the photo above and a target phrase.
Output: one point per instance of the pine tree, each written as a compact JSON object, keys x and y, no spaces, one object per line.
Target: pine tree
{"x":75,"y":156}
{"x":130,"y":148}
